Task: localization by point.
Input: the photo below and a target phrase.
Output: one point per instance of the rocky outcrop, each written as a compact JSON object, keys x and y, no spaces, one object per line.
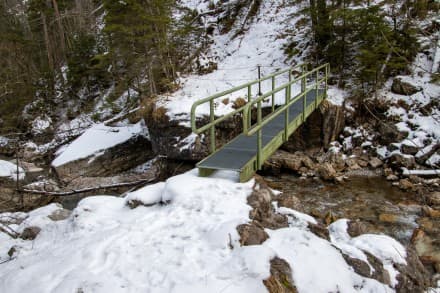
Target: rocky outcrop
{"x":321,"y":128}
{"x":112,"y":161}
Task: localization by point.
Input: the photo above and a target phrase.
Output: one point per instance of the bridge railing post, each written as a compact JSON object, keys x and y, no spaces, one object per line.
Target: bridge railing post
{"x":273,"y":95}
{"x":317,"y":88}
{"x":286,"y":113}
{"x":212,"y":128}
{"x":303,"y":92}
{"x":259,"y":137}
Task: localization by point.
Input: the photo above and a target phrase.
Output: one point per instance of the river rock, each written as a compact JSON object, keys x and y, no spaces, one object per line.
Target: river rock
{"x":412,"y":277}
{"x":375,"y":162}
{"x":280,"y":280}
{"x":319,"y":230}
{"x":392,"y":177}
{"x":430,"y":212}
{"x":434,"y":198}
{"x":405,"y":184}
{"x":427,"y":248}
{"x":405,"y":88}
{"x":252,"y":234}
{"x":326,"y":171}
{"x":59,"y":214}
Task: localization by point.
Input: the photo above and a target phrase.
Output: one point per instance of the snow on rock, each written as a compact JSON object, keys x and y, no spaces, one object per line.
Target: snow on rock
{"x":41,"y":124}
{"x":148,"y":195}
{"x":9,"y":170}
{"x":385,"y":248}
{"x":96,"y":139}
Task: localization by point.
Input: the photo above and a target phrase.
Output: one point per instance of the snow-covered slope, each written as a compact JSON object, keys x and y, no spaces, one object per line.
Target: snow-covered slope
{"x":189,"y":244}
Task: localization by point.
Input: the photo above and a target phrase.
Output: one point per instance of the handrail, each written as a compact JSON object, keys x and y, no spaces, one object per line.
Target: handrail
{"x":214,"y":121}
{"x":247,"y":108}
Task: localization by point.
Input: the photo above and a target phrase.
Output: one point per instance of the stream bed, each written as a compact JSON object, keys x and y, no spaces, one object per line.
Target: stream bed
{"x":372,"y":200}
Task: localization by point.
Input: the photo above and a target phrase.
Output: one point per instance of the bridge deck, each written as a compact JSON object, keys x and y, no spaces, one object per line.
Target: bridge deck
{"x":236,"y":154}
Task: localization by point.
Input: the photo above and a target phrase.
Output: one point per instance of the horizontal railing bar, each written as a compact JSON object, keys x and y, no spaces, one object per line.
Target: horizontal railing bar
{"x":235,"y":89}
{"x":273,"y":115}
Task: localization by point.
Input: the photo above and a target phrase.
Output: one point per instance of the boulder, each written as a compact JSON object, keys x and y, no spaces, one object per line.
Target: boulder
{"x":405,"y":184}
{"x":405,"y":88}
{"x":111,"y":161}
{"x":434,"y":198}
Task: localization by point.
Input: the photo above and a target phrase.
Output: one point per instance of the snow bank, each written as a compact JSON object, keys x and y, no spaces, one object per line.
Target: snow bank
{"x":9,"y":170}
{"x":188,"y":245}
{"x":97,"y":138}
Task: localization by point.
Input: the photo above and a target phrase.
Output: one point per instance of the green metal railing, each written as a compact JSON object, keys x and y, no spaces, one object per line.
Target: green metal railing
{"x":213,"y":121}
{"x":245,"y":110}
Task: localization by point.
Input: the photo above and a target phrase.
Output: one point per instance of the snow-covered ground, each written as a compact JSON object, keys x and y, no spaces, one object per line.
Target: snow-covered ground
{"x":96,"y":139}
{"x":9,"y":170}
{"x":189,"y":244}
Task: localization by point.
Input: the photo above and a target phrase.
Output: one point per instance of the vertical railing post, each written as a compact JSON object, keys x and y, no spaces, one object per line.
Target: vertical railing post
{"x":249,"y":116}
{"x":286,"y":113}
{"x":259,"y":137}
{"x":317,"y":88}
{"x":327,"y":72}
{"x":273,"y":95}
{"x":212,"y":128}
{"x":303,"y":92}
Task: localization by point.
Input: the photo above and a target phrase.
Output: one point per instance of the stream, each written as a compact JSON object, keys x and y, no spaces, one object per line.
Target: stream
{"x":373,"y":200}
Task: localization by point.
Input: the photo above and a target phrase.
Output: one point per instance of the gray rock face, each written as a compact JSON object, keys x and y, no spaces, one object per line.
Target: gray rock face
{"x":114,"y":160}
{"x":30,"y":233}
{"x":401,"y":87}
{"x":252,"y":234}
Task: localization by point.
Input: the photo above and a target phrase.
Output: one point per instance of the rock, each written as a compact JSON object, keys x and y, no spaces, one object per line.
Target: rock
{"x":262,"y":210}
{"x":399,"y":161}
{"x":319,"y":230}
{"x":375,"y":162}
{"x":425,"y":153}
{"x":379,"y":272}
{"x":12,"y":251}
{"x":356,"y":228}
{"x":251,"y":234}
{"x":112,"y":161}
{"x":405,"y":184}
{"x":238,"y":103}
{"x":326,"y":172}
{"x":427,"y":248}
{"x":430,"y":212}
{"x":434,"y":198}
{"x":429,"y":225}
{"x":388,"y":218}
{"x":392,"y":177}
{"x":409,"y":149}
{"x":280,"y":280}
{"x":59,"y":215}
{"x":389,"y":133}
{"x":289,"y":201}
{"x":320,"y":129}
{"x":352,"y":164}
{"x":405,"y":88}
{"x":412,"y":277}
{"x":30,"y":233}
{"x":359,"y":266}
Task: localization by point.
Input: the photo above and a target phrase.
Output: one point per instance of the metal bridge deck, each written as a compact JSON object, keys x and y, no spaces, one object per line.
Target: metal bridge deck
{"x":242,"y":149}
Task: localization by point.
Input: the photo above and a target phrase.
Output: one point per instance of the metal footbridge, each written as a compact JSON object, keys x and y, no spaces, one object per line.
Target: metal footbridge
{"x":268,"y":118}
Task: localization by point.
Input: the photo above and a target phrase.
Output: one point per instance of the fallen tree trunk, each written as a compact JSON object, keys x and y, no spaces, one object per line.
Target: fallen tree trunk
{"x":89,"y":189}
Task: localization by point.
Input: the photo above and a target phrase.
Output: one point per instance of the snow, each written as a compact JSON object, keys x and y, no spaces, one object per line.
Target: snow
{"x":336,"y":95}
{"x":385,"y":248}
{"x":9,"y":170}
{"x":189,"y":244}
{"x":237,"y":59}
{"x":96,"y":139}
{"x":40,"y":124}
{"x":407,"y":172}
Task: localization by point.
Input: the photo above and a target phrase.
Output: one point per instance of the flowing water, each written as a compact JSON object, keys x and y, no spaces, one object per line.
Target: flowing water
{"x":373,"y":200}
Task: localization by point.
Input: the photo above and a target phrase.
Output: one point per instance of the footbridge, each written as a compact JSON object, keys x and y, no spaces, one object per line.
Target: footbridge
{"x":269,"y":114}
